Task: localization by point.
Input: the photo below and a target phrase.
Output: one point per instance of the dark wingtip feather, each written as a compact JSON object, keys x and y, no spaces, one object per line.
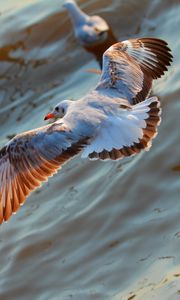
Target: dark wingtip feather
{"x":163,"y":55}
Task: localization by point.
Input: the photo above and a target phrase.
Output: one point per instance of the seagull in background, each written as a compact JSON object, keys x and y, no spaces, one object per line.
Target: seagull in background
{"x":114,"y":120}
{"x":92,"y":32}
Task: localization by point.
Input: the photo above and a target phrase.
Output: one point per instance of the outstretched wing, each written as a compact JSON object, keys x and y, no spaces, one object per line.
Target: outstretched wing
{"x":29,"y":159}
{"x":132,"y":65}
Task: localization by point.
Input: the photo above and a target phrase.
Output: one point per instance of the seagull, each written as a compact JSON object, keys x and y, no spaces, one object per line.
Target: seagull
{"x":114,"y":120}
{"x":92,"y":32}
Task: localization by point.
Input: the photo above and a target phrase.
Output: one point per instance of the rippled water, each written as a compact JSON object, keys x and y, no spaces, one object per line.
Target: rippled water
{"x":96,"y":230}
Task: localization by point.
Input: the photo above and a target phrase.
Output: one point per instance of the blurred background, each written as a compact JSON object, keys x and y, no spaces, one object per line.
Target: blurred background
{"x":96,"y":230}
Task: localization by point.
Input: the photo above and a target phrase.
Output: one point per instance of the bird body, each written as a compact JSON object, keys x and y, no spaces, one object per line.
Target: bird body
{"x":115,"y":120}
{"x":89,"y":30}
{"x":92,"y":32}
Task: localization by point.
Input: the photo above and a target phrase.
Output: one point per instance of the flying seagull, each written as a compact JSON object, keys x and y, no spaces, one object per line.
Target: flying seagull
{"x":92,"y":32}
{"x":104,"y":124}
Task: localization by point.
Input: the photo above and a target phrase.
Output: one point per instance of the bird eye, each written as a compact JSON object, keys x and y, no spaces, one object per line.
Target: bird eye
{"x":57,"y":108}
{"x":101,"y":33}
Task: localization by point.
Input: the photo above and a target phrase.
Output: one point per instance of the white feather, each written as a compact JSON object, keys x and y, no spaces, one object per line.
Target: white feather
{"x":123,"y":129}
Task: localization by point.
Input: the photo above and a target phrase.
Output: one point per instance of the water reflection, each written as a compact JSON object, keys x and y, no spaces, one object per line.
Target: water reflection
{"x":15,"y":54}
{"x":6,"y":53}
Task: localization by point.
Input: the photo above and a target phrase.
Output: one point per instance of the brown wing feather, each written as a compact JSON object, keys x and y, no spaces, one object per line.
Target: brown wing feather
{"x":131,"y":66}
{"x":19,"y":177}
{"x":153,"y":64}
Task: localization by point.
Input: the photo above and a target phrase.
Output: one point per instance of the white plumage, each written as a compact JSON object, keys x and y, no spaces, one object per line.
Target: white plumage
{"x":92,"y":32}
{"x":123,"y":128}
{"x":89,"y":30}
{"x":104,"y":124}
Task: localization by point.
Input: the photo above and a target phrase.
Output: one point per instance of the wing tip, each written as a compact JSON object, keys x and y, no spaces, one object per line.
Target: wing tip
{"x":157,"y":48}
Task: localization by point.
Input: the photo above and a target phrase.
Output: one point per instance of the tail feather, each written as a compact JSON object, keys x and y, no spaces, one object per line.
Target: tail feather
{"x":153,"y":111}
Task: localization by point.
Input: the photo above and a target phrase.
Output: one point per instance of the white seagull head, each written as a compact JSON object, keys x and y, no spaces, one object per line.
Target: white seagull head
{"x":59,"y":110}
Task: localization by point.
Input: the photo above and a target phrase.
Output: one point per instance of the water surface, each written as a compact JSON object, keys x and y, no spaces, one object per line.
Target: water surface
{"x":95,"y":230}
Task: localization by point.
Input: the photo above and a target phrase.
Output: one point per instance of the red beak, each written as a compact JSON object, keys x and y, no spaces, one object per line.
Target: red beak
{"x":49,"y":116}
